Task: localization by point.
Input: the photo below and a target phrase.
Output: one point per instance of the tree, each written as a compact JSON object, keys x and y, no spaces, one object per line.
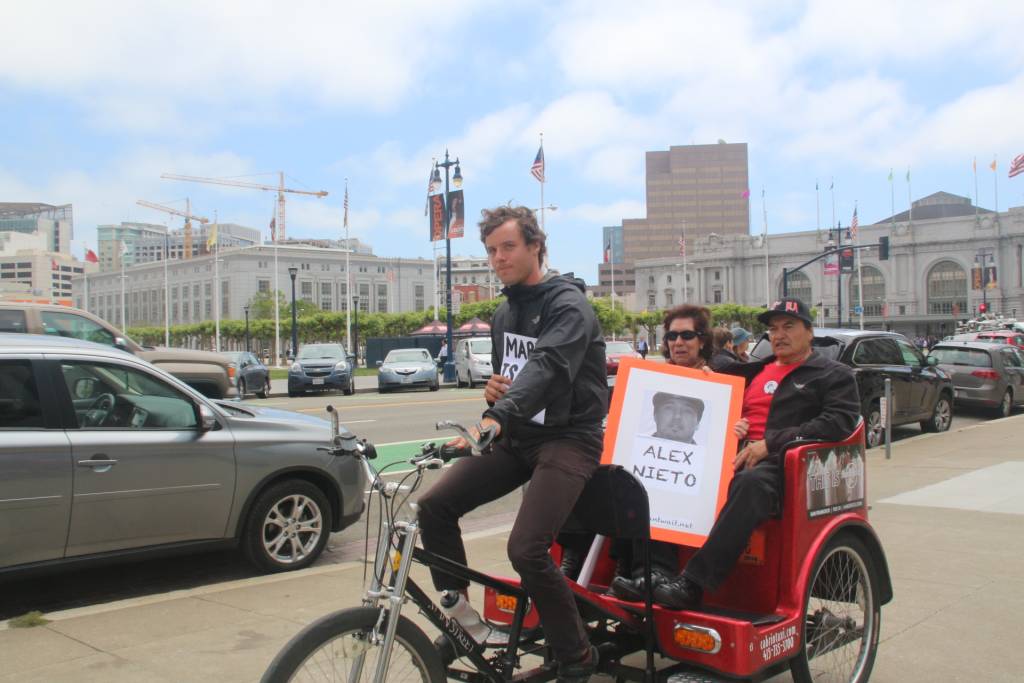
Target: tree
{"x":261,"y":306}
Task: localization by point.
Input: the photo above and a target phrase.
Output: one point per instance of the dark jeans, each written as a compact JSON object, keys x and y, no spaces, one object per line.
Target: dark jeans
{"x":557,"y":471}
{"x":753,"y":497}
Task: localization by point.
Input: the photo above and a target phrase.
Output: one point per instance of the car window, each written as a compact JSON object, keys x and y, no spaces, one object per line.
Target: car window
{"x":481,"y":347}
{"x":76,"y":327}
{"x":19,"y":396}
{"x":1011,"y":358}
{"x":618,"y":347}
{"x":911,"y":356}
{"x":107,"y":396}
{"x":321,"y":351}
{"x":952,"y":355}
{"x":13,"y":321}
{"x":877,"y":352}
{"x":410,"y":356}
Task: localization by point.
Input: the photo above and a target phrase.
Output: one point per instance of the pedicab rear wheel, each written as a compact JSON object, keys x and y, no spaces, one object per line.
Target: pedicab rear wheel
{"x":842,"y":615}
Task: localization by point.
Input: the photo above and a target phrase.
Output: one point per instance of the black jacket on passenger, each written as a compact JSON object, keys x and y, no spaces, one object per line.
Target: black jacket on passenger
{"x":565,"y":374}
{"x":723,"y":358}
{"x":816,"y":401}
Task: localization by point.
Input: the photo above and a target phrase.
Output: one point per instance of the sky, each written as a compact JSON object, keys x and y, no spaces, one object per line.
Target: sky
{"x":100,"y":98}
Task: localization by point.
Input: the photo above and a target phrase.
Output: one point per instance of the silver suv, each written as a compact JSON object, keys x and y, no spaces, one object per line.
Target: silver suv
{"x":104,"y":454}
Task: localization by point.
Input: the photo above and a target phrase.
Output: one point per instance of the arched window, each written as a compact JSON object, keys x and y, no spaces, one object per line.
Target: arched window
{"x":874,"y":290}
{"x":947,"y":286}
{"x":800,"y":287}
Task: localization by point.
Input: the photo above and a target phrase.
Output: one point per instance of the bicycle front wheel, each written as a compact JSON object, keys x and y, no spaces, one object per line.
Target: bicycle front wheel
{"x":345,"y":646}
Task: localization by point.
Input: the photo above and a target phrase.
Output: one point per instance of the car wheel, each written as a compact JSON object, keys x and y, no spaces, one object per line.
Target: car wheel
{"x":287,"y":527}
{"x":292,"y":394}
{"x":436,"y":385}
{"x":241,"y":388}
{"x":874,"y":432}
{"x":1006,"y":405}
{"x":266,"y":389}
{"x":471,"y":383}
{"x":349,"y":388}
{"x":942,"y":416}
{"x":458,"y":380}
{"x":381,"y":390}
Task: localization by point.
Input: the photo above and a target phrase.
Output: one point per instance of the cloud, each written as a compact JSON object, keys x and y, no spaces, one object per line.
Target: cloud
{"x":604,"y":214}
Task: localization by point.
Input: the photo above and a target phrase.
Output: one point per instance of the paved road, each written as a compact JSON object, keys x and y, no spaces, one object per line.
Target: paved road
{"x":404,"y":420}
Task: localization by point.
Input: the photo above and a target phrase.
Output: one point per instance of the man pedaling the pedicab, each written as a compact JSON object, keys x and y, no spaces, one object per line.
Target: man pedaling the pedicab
{"x":794,"y":394}
{"x":546,"y":403}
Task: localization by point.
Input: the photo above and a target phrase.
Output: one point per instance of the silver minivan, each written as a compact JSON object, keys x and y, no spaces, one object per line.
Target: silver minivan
{"x":473,"y":361}
{"x":103,"y":455}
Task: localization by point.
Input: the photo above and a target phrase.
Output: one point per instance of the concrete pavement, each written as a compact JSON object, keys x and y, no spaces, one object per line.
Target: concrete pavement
{"x":947,"y":508}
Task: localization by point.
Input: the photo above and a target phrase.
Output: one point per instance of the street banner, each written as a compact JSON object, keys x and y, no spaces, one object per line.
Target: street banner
{"x":671,"y":428}
{"x":846,"y":260}
{"x":457,"y":215}
{"x":832,"y":264}
{"x":436,"y":217}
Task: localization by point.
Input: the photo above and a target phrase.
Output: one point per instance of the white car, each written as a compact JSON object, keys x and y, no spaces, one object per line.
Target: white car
{"x":473,"y":361}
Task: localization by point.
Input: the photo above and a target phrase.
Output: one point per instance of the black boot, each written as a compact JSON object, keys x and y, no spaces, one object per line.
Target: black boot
{"x":579,"y":671}
{"x":572,"y":563}
{"x":634,"y":590}
{"x":679,"y":593}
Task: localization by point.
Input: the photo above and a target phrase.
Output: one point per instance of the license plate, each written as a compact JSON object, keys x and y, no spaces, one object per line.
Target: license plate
{"x":318,"y":380}
{"x":406,"y":380}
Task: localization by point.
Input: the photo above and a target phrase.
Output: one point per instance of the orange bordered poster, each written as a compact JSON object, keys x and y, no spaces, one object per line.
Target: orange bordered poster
{"x":671,"y":427}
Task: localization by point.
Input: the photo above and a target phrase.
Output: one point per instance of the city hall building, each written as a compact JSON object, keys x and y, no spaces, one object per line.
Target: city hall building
{"x":940,"y":254}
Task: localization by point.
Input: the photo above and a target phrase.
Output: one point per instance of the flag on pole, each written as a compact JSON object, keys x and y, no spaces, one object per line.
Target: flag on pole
{"x":974,"y":164}
{"x":124,"y":248}
{"x":890,"y":175}
{"x":608,"y":252}
{"x":90,"y":256}
{"x":211,"y":241}
{"x":1017,"y":165}
{"x":273,"y":229}
{"x":993,"y":165}
{"x":908,"y":175}
{"x":346,"y":205}
{"x":53,"y":264}
{"x":746,"y":193}
{"x":682,"y":246}
{"x":430,"y":187}
{"x":538,"y":165}
{"x":854,"y":224}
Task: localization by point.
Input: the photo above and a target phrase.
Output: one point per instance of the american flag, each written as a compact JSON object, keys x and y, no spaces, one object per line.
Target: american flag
{"x":608,"y":253}
{"x":538,"y":165}
{"x":854,"y":224}
{"x":682,"y":246}
{"x":1017,"y":165}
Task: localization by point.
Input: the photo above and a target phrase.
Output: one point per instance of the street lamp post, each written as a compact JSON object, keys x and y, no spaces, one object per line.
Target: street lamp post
{"x":247,"y":345}
{"x":292,"y":272}
{"x":449,"y":364}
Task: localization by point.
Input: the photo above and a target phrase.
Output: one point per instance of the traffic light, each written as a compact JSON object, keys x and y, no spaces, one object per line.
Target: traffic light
{"x":983,"y":308}
{"x":883,"y":248}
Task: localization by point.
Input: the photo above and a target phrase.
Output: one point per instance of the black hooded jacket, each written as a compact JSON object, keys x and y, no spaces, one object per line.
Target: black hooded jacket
{"x":546,"y":338}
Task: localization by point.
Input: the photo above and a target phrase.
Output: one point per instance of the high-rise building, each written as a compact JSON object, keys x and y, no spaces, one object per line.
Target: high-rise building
{"x":55,"y":222}
{"x":113,"y":241}
{"x":151,"y":248}
{"x":692,"y":191}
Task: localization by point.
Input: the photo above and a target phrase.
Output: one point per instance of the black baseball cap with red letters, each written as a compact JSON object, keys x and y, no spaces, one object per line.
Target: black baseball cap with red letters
{"x":791,"y":306}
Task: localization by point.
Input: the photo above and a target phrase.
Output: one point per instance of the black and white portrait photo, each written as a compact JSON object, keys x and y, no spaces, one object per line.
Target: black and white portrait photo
{"x":676,"y":417}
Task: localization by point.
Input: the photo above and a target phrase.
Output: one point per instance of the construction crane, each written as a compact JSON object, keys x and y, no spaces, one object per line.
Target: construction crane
{"x":186,"y":214}
{"x":280,"y":190}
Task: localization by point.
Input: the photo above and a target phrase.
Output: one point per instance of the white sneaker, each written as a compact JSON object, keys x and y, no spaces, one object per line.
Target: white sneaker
{"x":457,"y":607}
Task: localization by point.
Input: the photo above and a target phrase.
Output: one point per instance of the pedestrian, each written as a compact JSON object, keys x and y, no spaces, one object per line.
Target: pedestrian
{"x":546,"y":407}
{"x":722,"y":345}
{"x":442,"y":355}
{"x":741,"y":343}
{"x":641,"y":348}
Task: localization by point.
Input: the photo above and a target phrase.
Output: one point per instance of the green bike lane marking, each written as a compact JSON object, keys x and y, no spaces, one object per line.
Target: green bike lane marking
{"x":400,"y":451}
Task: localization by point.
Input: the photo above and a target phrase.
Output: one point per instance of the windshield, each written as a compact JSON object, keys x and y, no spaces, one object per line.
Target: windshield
{"x":321,"y":351}
{"x":618,"y":347}
{"x":480,"y":347}
{"x":233,"y":356}
{"x":409,"y":356}
{"x":951,"y":355}
{"x":826,"y":346}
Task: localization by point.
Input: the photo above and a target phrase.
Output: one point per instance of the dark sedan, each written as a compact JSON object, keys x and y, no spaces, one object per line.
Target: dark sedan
{"x":321,"y":367}
{"x":921,"y":392}
{"x":614,"y":352}
{"x":250,"y":374}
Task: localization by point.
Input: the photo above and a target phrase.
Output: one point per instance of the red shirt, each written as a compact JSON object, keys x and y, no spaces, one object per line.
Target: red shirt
{"x":757,"y":399}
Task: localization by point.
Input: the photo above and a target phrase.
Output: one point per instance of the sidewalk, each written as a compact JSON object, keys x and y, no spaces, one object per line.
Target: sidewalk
{"x":947,"y":508}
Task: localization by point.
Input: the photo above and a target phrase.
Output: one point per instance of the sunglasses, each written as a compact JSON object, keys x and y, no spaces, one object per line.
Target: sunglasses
{"x":687,"y":335}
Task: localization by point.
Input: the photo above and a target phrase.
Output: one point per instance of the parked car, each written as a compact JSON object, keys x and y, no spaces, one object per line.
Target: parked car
{"x":204,"y":371}
{"x":615,"y":351}
{"x":473,"y":361}
{"x":1002,"y":337}
{"x":984,"y":374}
{"x":106,"y":456}
{"x":406,"y":368}
{"x":250,"y":373}
{"x":921,"y":392}
{"x":321,"y":367}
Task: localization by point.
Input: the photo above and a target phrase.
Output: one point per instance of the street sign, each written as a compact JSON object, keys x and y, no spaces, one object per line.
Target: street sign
{"x":858,"y":310}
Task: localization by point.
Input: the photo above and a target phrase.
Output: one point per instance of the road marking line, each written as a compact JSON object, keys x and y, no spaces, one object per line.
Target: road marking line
{"x":394,"y":405}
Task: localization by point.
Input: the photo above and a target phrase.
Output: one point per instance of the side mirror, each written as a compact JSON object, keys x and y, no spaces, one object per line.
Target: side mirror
{"x":207,"y":420}
{"x":380,"y":363}
{"x":85,"y":387}
{"x":932,"y":361}
{"x":120,"y":343}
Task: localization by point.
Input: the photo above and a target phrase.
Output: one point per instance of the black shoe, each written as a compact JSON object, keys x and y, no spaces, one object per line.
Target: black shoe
{"x":572,"y":563}
{"x":634,"y":590}
{"x":580,"y":671}
{"x":679,"y":593}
